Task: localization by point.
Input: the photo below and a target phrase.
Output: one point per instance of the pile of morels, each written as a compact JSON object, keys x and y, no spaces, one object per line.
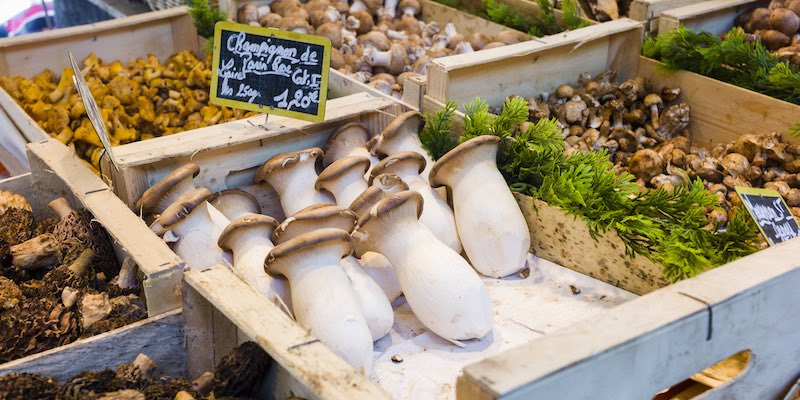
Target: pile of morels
{"x":777,"y":26}
{"x":138,"y":101}
{"x":359,"y":232}
{"x":644,"y":130}
{"x":59,"y":279}
{"x":239,"y":375}
{"x":378,"y":43}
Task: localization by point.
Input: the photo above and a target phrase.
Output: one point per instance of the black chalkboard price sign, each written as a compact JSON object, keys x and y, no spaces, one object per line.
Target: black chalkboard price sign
{"x":270,"y":71}
{"x":771,"y":213}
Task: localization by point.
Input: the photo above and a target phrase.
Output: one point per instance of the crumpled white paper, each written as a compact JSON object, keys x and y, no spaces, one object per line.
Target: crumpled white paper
{"x":525,"y":309}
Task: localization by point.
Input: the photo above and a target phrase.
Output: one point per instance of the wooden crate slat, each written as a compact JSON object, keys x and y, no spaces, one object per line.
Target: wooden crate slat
{"x":666,"y":336}
{"x":591,"y":49}
{"x":55,"y":163}
{"x":715,"y":16}
{"x":12,"y":147}
{"x":309,"y":361}
{"x":160,"y":338}
{"x":720,"y":112}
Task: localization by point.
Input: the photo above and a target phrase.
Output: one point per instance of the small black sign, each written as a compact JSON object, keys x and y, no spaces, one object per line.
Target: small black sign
{"x":270,"y":71}
{"x":771,"y":213}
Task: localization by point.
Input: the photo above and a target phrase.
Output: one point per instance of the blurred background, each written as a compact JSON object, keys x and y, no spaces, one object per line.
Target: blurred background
{"x":19,"y":17}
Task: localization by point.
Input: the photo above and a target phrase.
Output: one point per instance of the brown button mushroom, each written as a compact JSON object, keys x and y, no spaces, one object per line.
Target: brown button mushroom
{"x":295,"y":24}
{"x":509,"y":36}
{"x":478,"y":40}
{"x":784,"y":20}
{"x":646,"y":164}
{"x":281,"y":6}
{"x":774,"y":40}
{"x":409,"y":24}
{"x":332,"y":31}
{"x":364,"y":22}
{"x":247,"y":13}
{"x":409,"y":7}
{"x":271,"y":20}
{"x":394,"y":59}
{"x":376,"y":40}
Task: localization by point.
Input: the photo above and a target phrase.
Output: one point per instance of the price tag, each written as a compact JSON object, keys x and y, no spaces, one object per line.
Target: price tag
{"x":771,"y":213}
{"x":270,"y":71}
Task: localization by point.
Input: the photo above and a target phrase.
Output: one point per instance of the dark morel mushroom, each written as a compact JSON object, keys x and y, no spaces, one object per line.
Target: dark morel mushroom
{"x":25,"y":386}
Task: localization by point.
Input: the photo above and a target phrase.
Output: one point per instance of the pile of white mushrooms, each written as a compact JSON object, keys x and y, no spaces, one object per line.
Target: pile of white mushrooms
{"x":364,"y":230}
{"x":381,"y":43}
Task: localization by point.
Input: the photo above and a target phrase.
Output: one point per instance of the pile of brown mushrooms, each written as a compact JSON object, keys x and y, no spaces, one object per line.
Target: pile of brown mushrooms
{"x":378,"y":43}
{"x":644,"y":130}
{"x":59,"y":279}
{"x":776,"y":26}
{"x":239,"y":375}
{"x":363,"y":225}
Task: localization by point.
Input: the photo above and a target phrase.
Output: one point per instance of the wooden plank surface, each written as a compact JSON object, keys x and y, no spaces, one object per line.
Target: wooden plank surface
{"x":12,"y":147}
{"x":59,"y":172}
{"x":308,"y":361}
{"x":535,"y":66}
{"x":721,"y":111}
{"x":160,"y":338}
{"x":643,"y":10}
{"x":666,"y":336}
{"x":715,"y":16}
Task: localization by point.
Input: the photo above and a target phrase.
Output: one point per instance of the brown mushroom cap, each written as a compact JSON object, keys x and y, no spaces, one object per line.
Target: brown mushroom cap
{"x":493,"y":45}
{"x":509,"y":36}
{"x":349,"y":135}
{"x":391,"y":163}
{"x":478,"y":40}
{"x":375,"y":39}
{"x":332,"y":31}
{"x":774,"y":40}
{"x":310,"y":219}
{"x":410,"y":4}
{"x":234,"y":199}
{"x":456,"y":156}
{"x":292,"y":23}
{"x":392,"y":204}
{"x":244,"y":222}
{"x":365,"y":21}
{"x":283,"y":161}
{"x":183,"y":206}
{"x":398,"y":61}
{"x":321,"y":240}
{"x":341,"y":167}
{"x":151,"y":196}
{"x":383,"y":186}
{"x":408,"y":120}
{"x":784,"y":20}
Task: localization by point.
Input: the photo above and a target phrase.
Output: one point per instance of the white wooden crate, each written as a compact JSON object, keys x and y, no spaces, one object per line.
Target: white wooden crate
{"x":715,"y":16}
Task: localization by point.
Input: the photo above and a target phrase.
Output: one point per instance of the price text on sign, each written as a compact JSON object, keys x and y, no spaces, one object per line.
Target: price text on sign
{"x":270,"y":71}
{"x":771,"y":213}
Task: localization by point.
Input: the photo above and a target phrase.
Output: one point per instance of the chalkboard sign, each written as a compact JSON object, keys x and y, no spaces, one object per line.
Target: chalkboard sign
{"x":771,"y":213}
{"x":271,"y":71}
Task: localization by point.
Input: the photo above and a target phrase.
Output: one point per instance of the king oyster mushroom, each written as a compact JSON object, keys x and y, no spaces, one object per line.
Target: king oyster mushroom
{"x":233,"y":203}
{"x":374,"y":304}
{"x":292,"y":175}
{"x":197,"y":226}
{"x":436,"y":214}
{"x":349,"y":139}
{"x":490,"y":224}
{"x":157,"y":198}
{"x":441,"y":288}
{"x":402,"y":134}
{"x":75,"y":231}
{"x":344,"y":178}
{"x":248,"y":238}
{"x":322,"y":295}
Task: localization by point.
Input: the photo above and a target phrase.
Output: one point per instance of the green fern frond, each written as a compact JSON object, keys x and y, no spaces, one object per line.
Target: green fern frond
{"x":436,"y":137}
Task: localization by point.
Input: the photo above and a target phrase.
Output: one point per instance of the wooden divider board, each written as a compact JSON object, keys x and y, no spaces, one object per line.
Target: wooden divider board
{"x":12,"y":147}
{"x":715,"y":16}
{"x":57,"y":171}
{"x":217,"y":321}
{"x":650,"y":12}
{"x":228,"y":154}
{"x":665,"y":336}
{"x":160,"y":338}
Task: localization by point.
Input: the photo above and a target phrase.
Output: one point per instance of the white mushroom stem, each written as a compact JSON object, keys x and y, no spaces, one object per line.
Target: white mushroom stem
{"x":333,"y":13}
{"x":450,"y":30}
{"x":322,"y":295}
{"x":250,"y":247}
{"x":464,"y":47}
{"x":127,"y":278}
{"x":358,"y":5}
{"x":371,"y":298}
{"x":380,"y":270}
{"x":490,"y":224}
{"x":439,"y":41}
{"x":436,"y":214}
{"x":344,"y":179}
{"x":402,"y":135}
{"x":441,"y":288}
{"x":396,"y":35}
{"x":197,"y":237}
{"x":294,"y":181}
{"x":390,"y":7}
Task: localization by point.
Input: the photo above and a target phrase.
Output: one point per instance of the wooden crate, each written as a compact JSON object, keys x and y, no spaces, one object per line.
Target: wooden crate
{"x":665,"y":337}
{"x":12,"y":147}
{"x":159,"y":337}
{"x":57,"y":172}
{"x":720,"y":113}
{"x":213,"y":148}
{"x":715,"y":16}
{"x":649,"y":12}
